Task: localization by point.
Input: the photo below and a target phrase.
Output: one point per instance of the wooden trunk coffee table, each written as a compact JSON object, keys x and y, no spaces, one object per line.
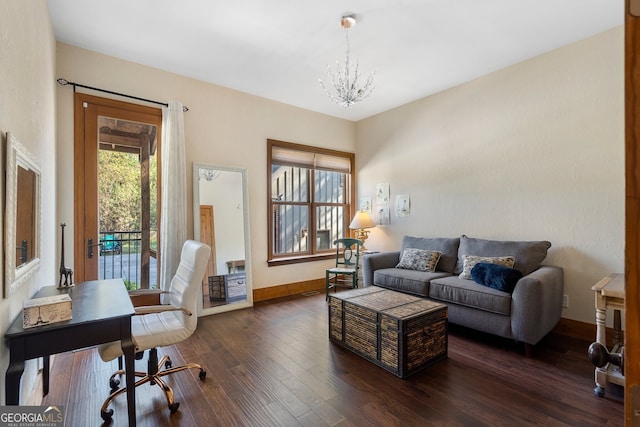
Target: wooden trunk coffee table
{"x":398,"y":332}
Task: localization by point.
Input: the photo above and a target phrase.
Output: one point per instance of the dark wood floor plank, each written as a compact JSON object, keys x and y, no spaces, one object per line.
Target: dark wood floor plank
{"x":273,"y":365}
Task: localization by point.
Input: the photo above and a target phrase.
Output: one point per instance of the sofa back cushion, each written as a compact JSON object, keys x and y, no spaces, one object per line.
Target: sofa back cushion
{"x":528,"y":254}
{"x":448,"y":248}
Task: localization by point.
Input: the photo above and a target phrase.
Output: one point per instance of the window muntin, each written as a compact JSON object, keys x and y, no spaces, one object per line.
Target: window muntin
{"x":310,"y":199}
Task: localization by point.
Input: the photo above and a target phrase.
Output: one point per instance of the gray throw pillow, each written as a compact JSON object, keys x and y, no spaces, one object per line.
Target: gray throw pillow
{"x":528,"y":254}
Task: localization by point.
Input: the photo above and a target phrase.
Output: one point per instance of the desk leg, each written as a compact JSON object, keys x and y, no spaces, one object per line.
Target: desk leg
{"x":129,"y":358}
{"x":46,"y":365}
{"x":12,"y":382}
{"x":15,"y":369}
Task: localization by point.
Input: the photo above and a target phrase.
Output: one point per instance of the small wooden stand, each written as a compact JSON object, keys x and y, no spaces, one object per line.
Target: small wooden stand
{"x":609,"y":294}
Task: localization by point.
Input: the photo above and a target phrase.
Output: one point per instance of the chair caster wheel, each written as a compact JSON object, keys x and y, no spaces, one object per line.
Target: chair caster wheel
{"x":114,"y":384}
{"x":106,"y":415}
{"x":202,"y":374}
{"x":168,"y":364}
{"x":174,"y":407}
{"x":599,"y":391}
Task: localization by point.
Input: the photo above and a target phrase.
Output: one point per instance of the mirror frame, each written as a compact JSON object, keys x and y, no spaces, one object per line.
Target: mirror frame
{"x":247,"y":246}
{"x":18,"y":155}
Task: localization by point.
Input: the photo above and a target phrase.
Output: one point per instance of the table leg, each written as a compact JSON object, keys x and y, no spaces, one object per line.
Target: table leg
{"x":128,"y":349}
{"x":618,"y":335}
{"x":12,"y":382}
{"x":46,"y":364}
{"x":601,"y":318}
{"x":600,"y":373}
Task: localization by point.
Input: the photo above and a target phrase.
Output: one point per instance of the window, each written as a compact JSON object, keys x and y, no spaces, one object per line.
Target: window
{"x":310,"y":198}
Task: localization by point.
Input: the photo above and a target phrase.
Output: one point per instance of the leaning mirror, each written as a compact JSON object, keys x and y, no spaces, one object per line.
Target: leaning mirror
{"x":221,"y":221}
{"x":22,"y":215}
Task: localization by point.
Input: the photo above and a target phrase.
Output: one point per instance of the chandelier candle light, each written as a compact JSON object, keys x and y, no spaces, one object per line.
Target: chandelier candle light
{"x":344,"y":83}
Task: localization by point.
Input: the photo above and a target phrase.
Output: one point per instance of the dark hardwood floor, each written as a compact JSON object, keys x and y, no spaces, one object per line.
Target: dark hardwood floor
{"x":273,"y":365}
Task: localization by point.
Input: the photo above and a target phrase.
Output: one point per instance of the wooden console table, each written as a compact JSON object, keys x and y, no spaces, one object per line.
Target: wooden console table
{"x":609,"y":294}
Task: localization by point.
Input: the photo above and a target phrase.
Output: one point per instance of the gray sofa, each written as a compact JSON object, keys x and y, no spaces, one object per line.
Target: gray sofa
{"x":526,"y":315}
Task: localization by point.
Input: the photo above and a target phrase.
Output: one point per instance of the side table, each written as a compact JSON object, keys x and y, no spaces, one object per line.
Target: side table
{"x":609,"y":293}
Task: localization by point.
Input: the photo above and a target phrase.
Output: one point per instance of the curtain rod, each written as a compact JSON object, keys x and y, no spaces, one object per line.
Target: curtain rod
{"x":65,"y":82}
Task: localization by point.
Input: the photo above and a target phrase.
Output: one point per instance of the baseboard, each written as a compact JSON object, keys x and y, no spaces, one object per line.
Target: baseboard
{"x":566,"y":327}
{"x":288,"y":289}
{"x":581,"y":330}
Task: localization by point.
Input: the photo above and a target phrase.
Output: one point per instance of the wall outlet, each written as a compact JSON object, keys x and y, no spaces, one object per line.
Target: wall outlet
{"x":565,"y":301}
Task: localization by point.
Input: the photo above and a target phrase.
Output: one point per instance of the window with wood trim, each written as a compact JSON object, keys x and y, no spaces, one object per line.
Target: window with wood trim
{"x":310,"y":200}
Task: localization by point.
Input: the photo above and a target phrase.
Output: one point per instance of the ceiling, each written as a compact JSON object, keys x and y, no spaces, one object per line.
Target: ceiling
{"x":278,"y":49}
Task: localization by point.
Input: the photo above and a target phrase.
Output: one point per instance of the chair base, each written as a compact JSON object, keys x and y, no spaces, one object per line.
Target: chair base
{"x":153,"y":375}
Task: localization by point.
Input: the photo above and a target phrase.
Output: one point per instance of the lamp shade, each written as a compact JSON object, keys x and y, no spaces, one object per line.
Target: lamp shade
{"x":361,"y":220}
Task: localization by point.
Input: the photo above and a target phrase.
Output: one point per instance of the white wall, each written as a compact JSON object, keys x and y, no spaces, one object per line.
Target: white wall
{"x":531,"y":152}
{"x":27,"y":110}
{"x":222,"y":127}
{"x":225,"y":195}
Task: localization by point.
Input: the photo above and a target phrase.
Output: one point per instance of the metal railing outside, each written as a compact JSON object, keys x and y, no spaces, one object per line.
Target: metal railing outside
{"x":120,"y":257}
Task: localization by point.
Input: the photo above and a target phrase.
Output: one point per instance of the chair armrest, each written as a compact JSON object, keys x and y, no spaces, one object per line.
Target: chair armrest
{"x":144,"y":297}
{"x":536,"y":304}
{"x":159,"y":309}
{"x":373,"y":262}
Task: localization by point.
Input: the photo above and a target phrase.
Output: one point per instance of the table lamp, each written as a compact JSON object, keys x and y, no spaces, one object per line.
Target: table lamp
{"x":361,"y":221}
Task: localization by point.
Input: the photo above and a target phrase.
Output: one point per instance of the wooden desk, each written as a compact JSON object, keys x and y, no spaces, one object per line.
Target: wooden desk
{"x":609,"y":294}
{"x":101,"y":311}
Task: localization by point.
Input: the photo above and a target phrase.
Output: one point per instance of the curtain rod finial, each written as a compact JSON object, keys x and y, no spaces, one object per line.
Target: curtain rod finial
{"x":62,"y":82}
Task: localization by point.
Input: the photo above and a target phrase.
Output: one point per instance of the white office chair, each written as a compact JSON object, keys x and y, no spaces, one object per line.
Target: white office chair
{"x":161,"y":325}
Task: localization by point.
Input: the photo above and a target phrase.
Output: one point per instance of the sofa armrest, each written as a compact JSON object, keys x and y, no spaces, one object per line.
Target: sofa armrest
{"x":373,"y":262}
{"x":536,"y":304}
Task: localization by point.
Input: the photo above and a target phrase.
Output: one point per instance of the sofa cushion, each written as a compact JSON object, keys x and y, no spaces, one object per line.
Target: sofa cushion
{"x":468,"y":293}
{"x":528,"y":254}
{"x":496,"y":276}
{"x":448,"y":247}
{"x":419,"y":259}
{"x":410,"y":281}
{"x":469,"y":261}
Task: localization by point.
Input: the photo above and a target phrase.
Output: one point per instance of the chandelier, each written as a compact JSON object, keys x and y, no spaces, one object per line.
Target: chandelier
{"x":346,"y":91}
{"x":207,"y":174}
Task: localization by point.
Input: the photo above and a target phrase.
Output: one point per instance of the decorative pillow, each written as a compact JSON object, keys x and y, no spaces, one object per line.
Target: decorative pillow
{"x":496,"y":276}
{"x":528,"y":254}
{"x":469,"y":261}
{"x":447,"y":246}
{"x":419,"y":259}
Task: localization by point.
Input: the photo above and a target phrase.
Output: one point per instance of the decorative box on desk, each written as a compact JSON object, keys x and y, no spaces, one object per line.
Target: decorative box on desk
{"x":398,"y":332}
{"x":46,"y":310}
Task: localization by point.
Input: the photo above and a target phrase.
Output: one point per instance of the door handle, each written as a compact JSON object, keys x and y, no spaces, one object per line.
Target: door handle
{"x":90,"y":246}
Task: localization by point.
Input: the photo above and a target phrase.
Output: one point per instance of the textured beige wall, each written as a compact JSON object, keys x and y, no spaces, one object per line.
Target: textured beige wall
{"x":27,"y":52}
{"x":222,"y":127}
{"x":531,"y":152}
